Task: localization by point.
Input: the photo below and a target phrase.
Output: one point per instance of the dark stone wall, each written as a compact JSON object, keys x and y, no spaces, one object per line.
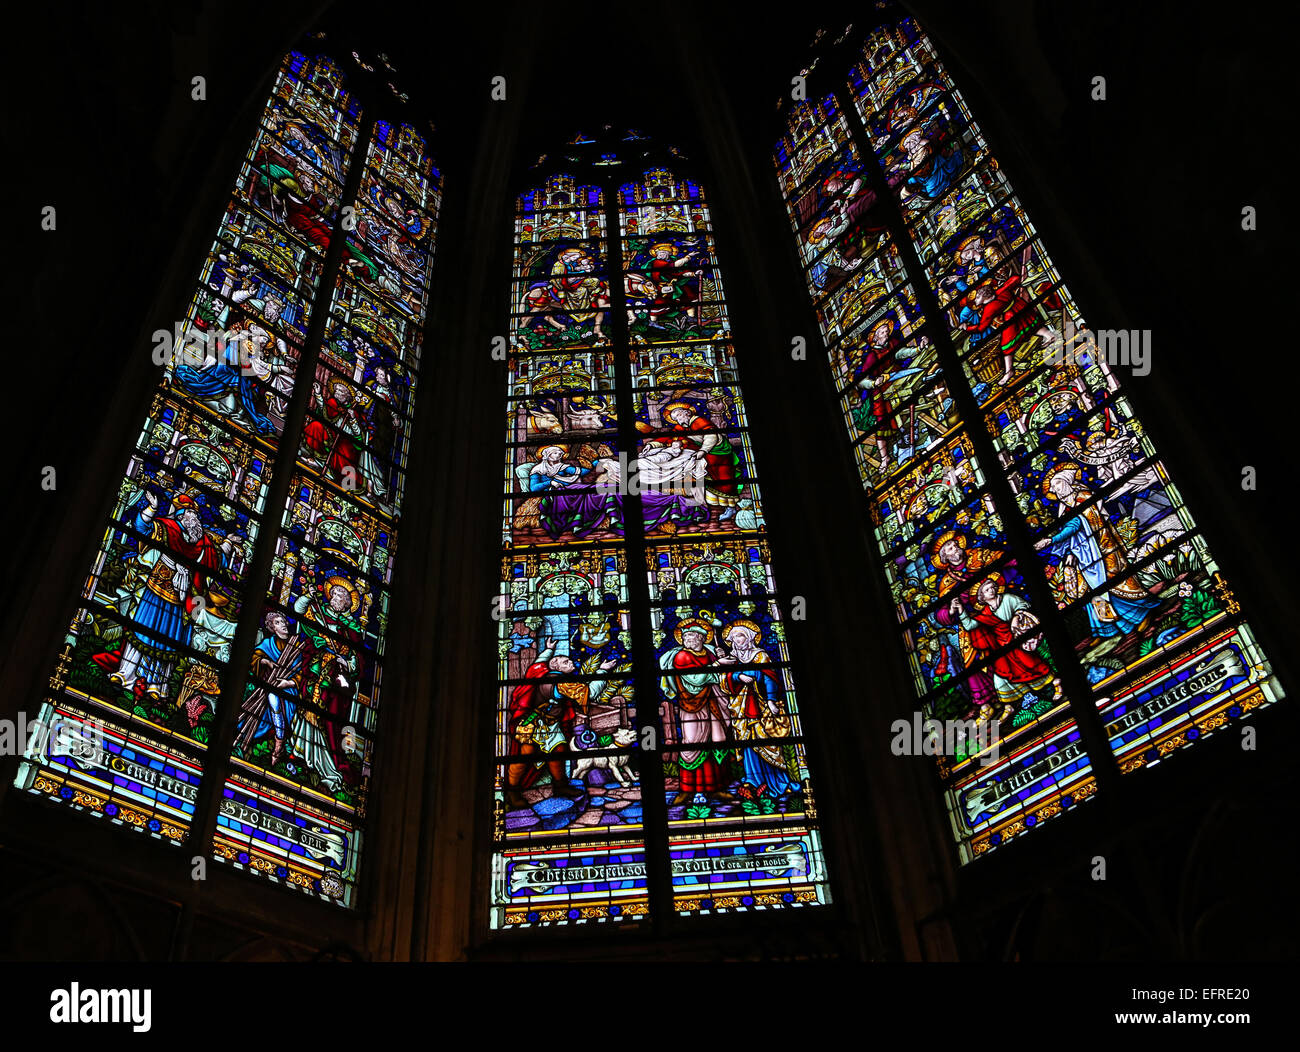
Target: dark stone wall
{"x":1138,"y":199}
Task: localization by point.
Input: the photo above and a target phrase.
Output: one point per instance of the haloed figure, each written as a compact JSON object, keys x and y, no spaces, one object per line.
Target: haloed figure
{"x":176,"y":567}
{"x":756,"y":709}
{"x":702,"y":711}
{"x":722,"y":487}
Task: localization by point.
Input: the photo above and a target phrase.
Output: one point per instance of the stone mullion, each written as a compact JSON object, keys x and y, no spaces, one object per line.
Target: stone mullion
{"x":1019,"y":540}
{"x":654,"y":808}
{"x":217,"y":766}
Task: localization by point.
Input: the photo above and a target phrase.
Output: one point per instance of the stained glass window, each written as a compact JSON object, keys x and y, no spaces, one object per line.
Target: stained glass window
{"x":256,"y":522}
{"x":1056,"y":600}
{"x":650,"y":754}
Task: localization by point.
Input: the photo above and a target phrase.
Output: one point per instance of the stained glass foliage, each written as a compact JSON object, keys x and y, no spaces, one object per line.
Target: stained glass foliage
{"x":1157,"y":635}
{"x":568,"y":828}
{"x":571,"y":844}
{"x":295,"y":805}
{"x":147,"y":648}
{"x":967,"y":622}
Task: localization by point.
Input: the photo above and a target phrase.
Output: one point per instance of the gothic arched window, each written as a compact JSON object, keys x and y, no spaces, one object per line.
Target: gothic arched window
{"x":1059,"y":607}
{"x":220,"y":681}
{"x":650,"y":754}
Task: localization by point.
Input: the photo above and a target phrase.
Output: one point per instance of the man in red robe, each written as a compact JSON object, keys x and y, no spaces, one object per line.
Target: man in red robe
{"x":999,"y":618}
{"x":146,"y":662}
{"x":676,"y":283}
{"x":722,"y":487}
{"x":303,"y":205}
{"x":543,"y":713}
{"x":1003,"y":307}
{"x":340,"y":444}
{"x":695,"y":684}
{"x":875,"y":414}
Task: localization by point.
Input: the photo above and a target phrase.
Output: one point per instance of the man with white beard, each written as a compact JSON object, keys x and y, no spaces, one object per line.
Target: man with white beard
{"x":271,"y":367}
{"x":160,"y":603}
{"x":699,"y":709}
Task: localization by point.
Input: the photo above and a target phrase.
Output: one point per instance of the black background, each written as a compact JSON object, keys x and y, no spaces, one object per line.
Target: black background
{"x":1138,"y":197}
{"x":100,"y":123}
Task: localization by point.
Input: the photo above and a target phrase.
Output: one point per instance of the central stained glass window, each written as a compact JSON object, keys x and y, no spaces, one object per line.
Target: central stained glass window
{"x":650,"y":754}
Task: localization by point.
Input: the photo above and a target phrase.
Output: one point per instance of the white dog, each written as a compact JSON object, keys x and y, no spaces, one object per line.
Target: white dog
{"x":615,"y":765}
